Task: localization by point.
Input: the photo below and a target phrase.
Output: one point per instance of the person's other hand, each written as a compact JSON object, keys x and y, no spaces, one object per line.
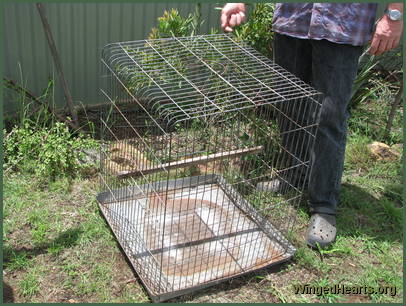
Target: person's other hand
{"x":232,"y":14}
{"x":387,"y":35}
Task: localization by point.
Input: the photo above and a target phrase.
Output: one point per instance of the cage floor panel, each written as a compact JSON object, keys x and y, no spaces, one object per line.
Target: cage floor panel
{"x":199,"y":236}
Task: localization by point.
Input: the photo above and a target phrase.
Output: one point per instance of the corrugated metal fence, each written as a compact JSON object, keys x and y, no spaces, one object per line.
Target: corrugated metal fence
{"x":80,"y":30}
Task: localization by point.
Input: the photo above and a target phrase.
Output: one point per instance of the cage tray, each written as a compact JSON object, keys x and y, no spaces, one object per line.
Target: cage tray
{"x":198,"y":232}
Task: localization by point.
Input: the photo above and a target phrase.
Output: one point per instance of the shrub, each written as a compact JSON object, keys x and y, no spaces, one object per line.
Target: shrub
{"x":47,"y":152}
{"x":257,"y":30}
{"x":172,"y":24}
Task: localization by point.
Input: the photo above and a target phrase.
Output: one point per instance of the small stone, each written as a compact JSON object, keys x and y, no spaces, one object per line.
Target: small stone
{"x":382,"y":151}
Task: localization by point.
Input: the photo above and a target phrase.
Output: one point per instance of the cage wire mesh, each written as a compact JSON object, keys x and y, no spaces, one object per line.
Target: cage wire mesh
{"x":205,"y":156}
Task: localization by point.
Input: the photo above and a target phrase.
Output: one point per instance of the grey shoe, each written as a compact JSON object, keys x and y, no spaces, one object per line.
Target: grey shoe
{"x":321,"y":230}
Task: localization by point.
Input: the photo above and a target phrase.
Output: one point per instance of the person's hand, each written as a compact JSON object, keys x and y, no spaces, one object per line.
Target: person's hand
{"x":232,"y":14}
{"x":387,"y":35}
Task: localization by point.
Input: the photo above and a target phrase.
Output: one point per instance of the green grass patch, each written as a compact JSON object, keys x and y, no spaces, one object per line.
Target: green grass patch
{"x":15,"y":260}
{"x":29,"y":285}
{"x":370,"y":117}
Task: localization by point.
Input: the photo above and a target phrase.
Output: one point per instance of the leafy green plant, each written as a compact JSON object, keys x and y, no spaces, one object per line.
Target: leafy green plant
{"x":257,"y":30}
{"x":362,"y":89}
{"x":48,"y":152}
{"x":172,"y":24}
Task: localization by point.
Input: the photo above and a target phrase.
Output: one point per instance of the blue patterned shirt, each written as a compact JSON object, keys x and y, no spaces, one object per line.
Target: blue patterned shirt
{"x":343,"y":23}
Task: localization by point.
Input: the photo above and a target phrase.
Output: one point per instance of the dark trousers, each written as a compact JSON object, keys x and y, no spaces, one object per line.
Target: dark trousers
{"x":331,"y":69}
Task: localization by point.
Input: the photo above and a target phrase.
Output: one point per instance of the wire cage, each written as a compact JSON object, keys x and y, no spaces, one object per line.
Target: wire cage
{"x":205,"y":156}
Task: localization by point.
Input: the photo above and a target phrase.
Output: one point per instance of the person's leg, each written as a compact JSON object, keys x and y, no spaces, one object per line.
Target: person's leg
{"x":334,"y":68}
{"x":294,"y":55}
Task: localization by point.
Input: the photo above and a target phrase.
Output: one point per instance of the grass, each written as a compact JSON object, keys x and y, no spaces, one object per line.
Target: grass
{"x":59,"y":229}
{"x":29,"y":284}
{"x":58,"y":247}
{"x":369,"y":118}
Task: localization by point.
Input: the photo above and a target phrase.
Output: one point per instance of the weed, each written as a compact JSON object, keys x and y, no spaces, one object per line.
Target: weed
{"x":302,"y":215}
{"x":46,"y":152}
{"x":15,"y":260}
{"x":339,"y":248}
{"x":63,"y":185}
{"x":71,"y":269}
{"x":29,"y":285}
{"x":37,"y":143}
{"x":393,"y":191}
{"x":309,"y":259}
{"x":38,"y":220}
{"x":278,"y":293}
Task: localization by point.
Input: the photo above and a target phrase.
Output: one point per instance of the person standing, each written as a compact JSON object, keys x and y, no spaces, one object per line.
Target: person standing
{"x":321,"y":43}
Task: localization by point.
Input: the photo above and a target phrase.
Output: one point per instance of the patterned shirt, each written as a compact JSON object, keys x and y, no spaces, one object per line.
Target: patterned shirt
{"x":343,"y":23}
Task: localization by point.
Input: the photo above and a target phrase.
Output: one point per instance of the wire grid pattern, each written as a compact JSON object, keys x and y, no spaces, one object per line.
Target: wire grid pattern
{"x":189,"y":136}
{"x":209,"y":240}
{"x":214,"y":71}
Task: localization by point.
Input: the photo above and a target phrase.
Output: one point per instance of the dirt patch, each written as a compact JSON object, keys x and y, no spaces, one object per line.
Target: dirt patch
{"x":8,"y":293}
{"x":355,"y":298}
{"x":20,"y":234}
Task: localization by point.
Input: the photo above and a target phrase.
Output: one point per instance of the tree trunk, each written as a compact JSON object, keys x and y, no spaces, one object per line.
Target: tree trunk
{"x":58,"y":64}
